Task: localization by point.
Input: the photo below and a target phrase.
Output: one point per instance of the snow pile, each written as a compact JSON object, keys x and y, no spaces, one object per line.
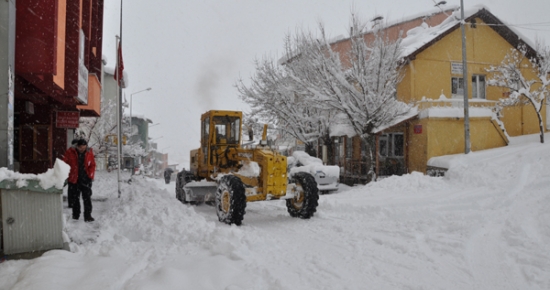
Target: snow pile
{"x":55,"y":176}
{"x":300,"y":161}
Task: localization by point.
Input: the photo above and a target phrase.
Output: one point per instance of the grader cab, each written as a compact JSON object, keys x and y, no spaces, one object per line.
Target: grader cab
{"x":227,"y":175}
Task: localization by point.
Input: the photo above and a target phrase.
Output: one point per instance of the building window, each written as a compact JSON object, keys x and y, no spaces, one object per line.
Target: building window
{"x":457,"y":87}
{"x":391,"y":145}
{"x":339,"y":150}
{"x":478,"y":86}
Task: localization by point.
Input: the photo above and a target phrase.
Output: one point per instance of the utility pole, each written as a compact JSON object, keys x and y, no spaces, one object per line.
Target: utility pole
{"x":465,"y":84}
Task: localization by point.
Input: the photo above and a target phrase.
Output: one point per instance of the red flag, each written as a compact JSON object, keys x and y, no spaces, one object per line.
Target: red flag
{"x":120,"y":65}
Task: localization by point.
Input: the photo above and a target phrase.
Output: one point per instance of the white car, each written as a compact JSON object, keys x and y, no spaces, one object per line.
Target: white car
{"x":326,"y":176}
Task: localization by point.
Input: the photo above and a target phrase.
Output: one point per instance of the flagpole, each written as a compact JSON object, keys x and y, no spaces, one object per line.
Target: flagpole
{"x":118,"y":117}
{"x":119,"y":100}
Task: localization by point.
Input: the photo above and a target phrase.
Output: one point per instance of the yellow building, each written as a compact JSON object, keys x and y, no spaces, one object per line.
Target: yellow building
{"x":432,"y":80}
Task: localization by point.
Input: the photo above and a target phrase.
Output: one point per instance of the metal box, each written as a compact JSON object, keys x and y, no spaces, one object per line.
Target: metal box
{"x":32,"y":218}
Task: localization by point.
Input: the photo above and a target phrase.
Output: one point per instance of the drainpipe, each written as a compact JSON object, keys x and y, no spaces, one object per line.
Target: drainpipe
{"x":7,"y":75}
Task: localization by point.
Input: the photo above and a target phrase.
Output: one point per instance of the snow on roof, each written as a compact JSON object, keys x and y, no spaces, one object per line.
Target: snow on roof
{"x":454,"y":108}
{"x":413,"y":112}
{"x":454,"y":112}
{"x":422,"y":15}
{"x":422,"y":35}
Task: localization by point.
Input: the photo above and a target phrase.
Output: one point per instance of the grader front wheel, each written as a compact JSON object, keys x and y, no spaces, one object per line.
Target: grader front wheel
{"x":305,"y":201}
{"x":180,"y":182}
{"x":230,"y":200}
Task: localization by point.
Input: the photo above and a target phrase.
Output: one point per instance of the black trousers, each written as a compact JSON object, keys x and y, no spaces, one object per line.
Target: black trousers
{"x":86,"y":190}
{"x":72,"y":194}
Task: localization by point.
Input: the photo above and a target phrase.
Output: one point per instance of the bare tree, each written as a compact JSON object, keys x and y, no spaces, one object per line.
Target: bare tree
{"x":512,"y":75}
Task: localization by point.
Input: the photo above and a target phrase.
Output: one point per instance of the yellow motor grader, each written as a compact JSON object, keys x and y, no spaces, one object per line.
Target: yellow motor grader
{"x":224,"y":173}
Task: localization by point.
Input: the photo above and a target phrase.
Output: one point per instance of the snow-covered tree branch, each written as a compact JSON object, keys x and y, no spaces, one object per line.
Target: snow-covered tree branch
{"x":95,"y":129}
{"x":274,"y":98}
{"x":526,"y":85}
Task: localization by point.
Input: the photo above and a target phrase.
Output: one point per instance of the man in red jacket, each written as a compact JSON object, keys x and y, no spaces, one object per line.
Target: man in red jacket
{"x":81,"y":176}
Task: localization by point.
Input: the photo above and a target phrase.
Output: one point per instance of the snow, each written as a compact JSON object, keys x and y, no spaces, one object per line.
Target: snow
{"x":423,"y":34}
{"x":413,"y":112}
{"x":485,"y":225}
{"x":341,"y":126}
{"x":454,"y":112}
{"x":55,"y":176}
{"x":250,"y":169}
{"x":111,"y":70}
{"x":310,"y":164}
{"x":418,"y":36}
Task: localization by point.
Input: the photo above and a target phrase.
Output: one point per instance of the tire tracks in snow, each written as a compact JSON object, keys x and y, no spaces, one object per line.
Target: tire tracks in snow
{"x":481,"y":251}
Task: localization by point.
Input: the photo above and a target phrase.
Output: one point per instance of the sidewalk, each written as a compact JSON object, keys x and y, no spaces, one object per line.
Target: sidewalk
{"x":104,"y":194}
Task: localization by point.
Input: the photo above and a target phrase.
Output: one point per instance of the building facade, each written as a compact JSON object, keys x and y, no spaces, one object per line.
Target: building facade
{"x":433,"y":83}
{"x":55,"y":77}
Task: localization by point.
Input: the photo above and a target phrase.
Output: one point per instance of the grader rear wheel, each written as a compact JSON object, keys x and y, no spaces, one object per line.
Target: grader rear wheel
{"x":304,"y":204}
{"x":231,"y":200}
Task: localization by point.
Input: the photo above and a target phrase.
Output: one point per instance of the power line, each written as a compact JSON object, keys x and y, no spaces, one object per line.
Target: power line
{"x":522,"y":26}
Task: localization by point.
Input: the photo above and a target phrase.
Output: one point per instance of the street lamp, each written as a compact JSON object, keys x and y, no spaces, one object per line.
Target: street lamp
{"x":131,"y":95}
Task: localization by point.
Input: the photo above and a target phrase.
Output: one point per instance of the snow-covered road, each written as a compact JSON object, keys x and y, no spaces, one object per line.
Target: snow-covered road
{"x":486,"y":225}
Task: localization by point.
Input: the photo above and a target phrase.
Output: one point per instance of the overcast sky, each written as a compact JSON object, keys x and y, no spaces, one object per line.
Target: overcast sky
{"x":191,"y":53}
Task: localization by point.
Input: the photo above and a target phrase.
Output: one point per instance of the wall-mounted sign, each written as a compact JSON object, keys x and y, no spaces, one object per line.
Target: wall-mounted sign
{"x":417,"y":129}
{"x":67,"y":119}
{"x":456,"y":68}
